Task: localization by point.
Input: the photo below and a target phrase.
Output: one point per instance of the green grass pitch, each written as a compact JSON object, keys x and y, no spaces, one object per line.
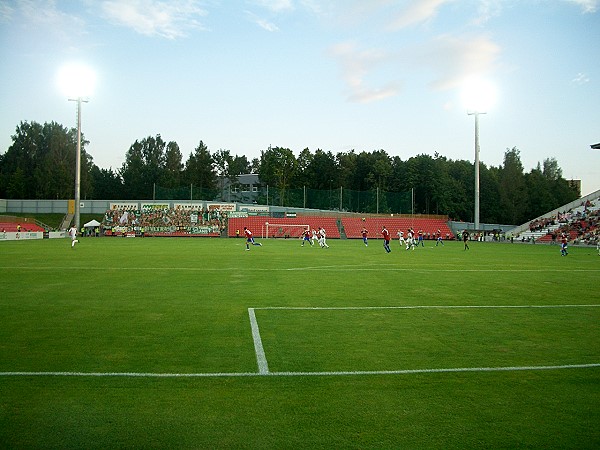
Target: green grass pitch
{"x":198,"y":343}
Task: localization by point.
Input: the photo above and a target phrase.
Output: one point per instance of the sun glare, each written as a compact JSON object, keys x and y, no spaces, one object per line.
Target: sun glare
{"x":76,"y":80}
{"x":478,"y":95}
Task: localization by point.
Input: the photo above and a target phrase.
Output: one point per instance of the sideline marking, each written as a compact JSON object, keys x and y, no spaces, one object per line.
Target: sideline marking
{"x":263,"y":368}
{"x":317,"y":308}
{"x":261,"y":359}
{"x":296,"y":374}
{"x":293,"y":269}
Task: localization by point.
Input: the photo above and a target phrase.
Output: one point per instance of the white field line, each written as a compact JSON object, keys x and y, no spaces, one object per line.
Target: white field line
{"x":315,"y":268}
{"x":263,"y":369}
{"x":296,"y":374}
{"x":319,"y":308}
{"x":261,"y":359}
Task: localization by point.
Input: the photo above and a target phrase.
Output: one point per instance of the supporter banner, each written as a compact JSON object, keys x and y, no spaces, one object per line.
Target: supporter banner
{"x":22,"y":236}
{"x":234,"y":214}
{"x":204,"y":230}
{"x":154,"y":206}
{"x":127,"y":231}
{"x":124,"y":217}
{"x":254,"y":208}
{"x":170,"y":229}
{"x":191,"y":230}
{"x":119,"y":230}
{"x":57,"y":234}
{"x":188,"y":206}
{"x":223,"y":207}
{"x":124,"y":206}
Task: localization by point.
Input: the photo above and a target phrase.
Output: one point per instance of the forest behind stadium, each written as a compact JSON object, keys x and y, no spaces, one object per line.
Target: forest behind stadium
{"x":40,"y":164}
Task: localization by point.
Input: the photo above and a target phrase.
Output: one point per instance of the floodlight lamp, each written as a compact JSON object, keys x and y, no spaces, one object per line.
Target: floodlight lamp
{"x":478,"y":95}
{"x":76,"y":80}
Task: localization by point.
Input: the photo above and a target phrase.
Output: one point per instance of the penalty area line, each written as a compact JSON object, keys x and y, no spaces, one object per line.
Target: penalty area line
{"x":359,"y":308}
{"x":298,"y":374}
{"x":261,"y":359}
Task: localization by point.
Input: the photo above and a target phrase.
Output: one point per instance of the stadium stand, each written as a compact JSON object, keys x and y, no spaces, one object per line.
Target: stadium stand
{"x":13,"y":224}
{"x":353,"y":226}
{"x":580,"y":223}
{"x":257,"y":224}
{"x":164,"y":222}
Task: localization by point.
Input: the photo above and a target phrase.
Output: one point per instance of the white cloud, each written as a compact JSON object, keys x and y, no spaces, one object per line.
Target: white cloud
{"x":450,"y":59}
{"x":263,"y":23}
{"x":588,"y":6}
{"x":454,"y":58}
{"x":581,"y":78}
{"x":169,"y":19}
{"x":43,"y":16}
{"x":356,"y":66}
{"x":315,"y":6}
{"x":40,"y":13}
{"x":275,"y":6}
{"x":6,"y":12}
{"x":486,"y":10}
{"x":417,"y":12}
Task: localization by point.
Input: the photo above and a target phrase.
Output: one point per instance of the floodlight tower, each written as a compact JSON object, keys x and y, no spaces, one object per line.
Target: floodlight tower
{"x":476,"y":217}
{"x":77,"y":81}
{"x":478,"y":95}
{"x":79,"y":100}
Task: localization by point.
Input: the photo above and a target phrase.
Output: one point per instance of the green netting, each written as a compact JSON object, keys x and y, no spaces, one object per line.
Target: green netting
{"x":335,"y":199}
{"x":183,"y":193}
{"x":340,"y":199}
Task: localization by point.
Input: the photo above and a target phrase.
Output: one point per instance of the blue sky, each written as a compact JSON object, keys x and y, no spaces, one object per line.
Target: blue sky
{"x":337,"y":75}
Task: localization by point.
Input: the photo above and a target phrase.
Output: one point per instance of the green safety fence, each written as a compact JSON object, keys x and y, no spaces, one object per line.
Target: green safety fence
{"x":338,"y":199}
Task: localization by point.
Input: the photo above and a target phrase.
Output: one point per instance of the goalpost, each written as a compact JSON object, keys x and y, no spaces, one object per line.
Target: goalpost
{"x":285,"y":230}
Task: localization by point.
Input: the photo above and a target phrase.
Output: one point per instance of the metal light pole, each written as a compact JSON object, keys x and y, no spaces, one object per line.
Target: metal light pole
{"x":476,"y":220}
{"x":79,"y":100}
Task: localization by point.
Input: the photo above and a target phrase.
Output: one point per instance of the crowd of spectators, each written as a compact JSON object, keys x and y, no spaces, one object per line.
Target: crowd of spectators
{"x":541,"y":224}
{"x":580,"y":225}
{"x":153,"y":219}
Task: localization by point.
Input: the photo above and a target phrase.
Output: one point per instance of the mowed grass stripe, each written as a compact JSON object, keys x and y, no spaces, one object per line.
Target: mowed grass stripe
{"x":297,"y":374}
{"x":161,"y":307}
{"x":364,"y":339}
{"x":384,"y":268}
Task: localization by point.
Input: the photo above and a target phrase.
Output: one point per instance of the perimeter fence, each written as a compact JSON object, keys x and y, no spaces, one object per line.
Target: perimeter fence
{"x":336,"y":199}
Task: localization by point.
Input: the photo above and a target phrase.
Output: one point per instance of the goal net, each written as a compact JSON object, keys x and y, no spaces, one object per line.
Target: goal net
{"x":284,"y":230}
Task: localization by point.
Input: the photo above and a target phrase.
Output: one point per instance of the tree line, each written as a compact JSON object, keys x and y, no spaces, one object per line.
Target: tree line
{"x":40,"y":164}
